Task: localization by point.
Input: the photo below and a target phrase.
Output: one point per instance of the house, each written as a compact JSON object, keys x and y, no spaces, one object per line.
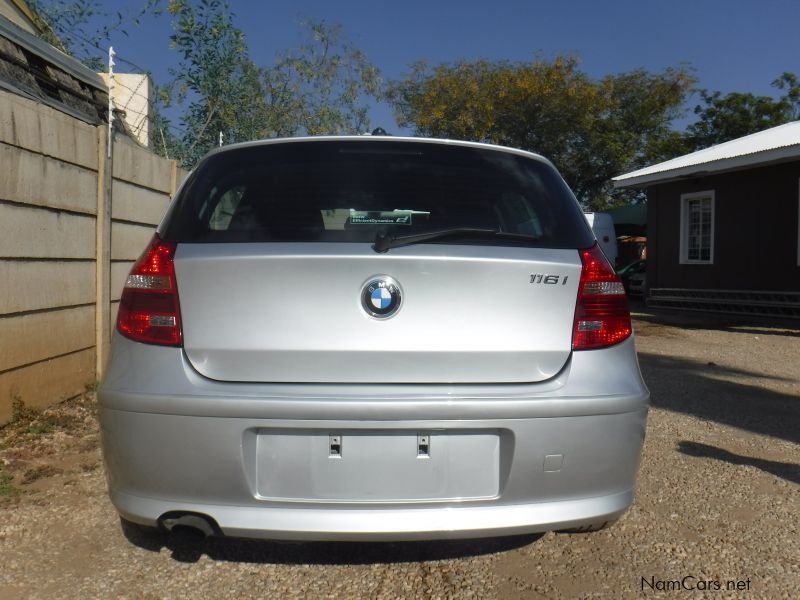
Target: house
{"x":723,"y":226}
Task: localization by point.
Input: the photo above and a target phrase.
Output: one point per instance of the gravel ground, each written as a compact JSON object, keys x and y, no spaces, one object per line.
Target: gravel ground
{"x":718,"y":501}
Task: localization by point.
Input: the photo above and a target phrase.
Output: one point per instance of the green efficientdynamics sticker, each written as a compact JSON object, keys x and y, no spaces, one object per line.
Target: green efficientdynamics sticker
{"x":393,"y":217}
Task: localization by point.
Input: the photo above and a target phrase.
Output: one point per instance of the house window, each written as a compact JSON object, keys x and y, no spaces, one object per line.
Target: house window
{"x":697,"y":228}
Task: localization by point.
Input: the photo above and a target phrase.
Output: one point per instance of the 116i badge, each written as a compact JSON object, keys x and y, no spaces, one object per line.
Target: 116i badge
{"x":381,"y":297}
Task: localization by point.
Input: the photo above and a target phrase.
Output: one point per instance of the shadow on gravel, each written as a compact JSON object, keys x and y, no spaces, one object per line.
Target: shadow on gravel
{"x":719,"y":322}
{"x":787,"y":471}
{"x":189,"y":548}
{"x":694,"y":388}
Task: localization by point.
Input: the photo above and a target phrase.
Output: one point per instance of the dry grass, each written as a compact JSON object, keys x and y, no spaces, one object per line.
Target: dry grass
{"x":7,"y":488}
{"x":39,"y":444}
{"x":39,"y":472}
{"x":68,"y":416}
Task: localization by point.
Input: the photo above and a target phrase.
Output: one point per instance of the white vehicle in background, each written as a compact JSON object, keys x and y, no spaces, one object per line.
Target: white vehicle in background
{"x":603,"y":227}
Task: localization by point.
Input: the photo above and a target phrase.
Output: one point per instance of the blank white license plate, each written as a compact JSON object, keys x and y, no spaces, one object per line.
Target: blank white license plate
{"x":377,"y":466}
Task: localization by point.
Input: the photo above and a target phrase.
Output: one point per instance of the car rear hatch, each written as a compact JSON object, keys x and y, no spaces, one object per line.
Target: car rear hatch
{"x":275,"y":247}
{"x":293,"y":312}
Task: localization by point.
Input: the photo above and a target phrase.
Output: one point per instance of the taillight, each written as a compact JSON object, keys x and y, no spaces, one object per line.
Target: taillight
{"x":149,"y":310}
{"x":602,"y":317}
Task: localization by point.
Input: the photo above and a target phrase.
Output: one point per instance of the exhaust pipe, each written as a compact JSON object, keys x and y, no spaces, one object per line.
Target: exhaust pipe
{"x":198,"y":523}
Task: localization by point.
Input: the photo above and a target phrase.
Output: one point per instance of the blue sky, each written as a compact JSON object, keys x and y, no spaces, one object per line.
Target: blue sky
{"x":734,"y":45}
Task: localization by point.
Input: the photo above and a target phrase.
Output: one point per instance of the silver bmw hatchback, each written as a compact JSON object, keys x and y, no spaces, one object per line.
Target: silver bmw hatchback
{"x":373,"y":338}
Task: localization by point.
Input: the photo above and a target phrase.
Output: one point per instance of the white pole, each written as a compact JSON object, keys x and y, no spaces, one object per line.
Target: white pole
{"x":110,"y":97}
{"x":220,"y":139}
{"x":164,"y":143}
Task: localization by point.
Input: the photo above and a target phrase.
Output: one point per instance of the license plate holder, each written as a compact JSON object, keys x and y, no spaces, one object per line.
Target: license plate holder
{"x":377,"y":465}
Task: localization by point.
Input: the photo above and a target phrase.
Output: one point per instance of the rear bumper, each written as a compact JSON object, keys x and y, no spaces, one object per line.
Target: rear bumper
{"x":395,"y":524}
{"x":179,"y":442}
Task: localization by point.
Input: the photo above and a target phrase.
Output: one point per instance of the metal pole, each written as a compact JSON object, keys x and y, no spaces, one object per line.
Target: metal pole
{"x":164,"y":143}
{"x":111,"y":64}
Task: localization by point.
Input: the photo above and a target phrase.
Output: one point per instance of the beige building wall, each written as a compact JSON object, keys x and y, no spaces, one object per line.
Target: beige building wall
{"x":71,"y":225}
{"x":132,"y":96}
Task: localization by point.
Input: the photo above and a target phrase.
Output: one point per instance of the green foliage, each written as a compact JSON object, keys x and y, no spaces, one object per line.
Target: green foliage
{"x":27,"y":419}
{"x":791,"y":83}
{"x":7,"y":489}
{"x":215,"y":76}
{"x":723,"y":118}
{"x":39,"y":472}
{"x":165,"y":142}
{"x":591,"y":129}
{"x":21,"y":414}
{"x":39,"y":428}
{"x":317,"y":89}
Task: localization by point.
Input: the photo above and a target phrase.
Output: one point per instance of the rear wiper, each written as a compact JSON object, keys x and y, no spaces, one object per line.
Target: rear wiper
{"x":384,"y":240}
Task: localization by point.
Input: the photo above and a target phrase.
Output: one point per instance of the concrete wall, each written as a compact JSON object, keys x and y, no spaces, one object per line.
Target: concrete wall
{"x":71,"y":224}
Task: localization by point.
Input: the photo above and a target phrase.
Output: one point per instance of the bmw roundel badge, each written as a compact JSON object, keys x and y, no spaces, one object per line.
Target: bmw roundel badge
{"x":381,"y":297}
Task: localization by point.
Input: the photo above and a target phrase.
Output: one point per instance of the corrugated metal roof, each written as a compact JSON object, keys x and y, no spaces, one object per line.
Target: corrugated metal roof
{"x":777,"y":144}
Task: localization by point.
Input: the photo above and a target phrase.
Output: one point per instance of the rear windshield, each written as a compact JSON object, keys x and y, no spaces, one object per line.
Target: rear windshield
{"x":350,"y":190}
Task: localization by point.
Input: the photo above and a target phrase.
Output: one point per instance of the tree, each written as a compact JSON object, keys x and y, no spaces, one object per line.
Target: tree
{"x":165,"y":141}
{"x":318,"y":89}
{"x":215,"y":76}
{"x":591,"y":129}
{"x":724,"y":118}
{"x":315,"y":90}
